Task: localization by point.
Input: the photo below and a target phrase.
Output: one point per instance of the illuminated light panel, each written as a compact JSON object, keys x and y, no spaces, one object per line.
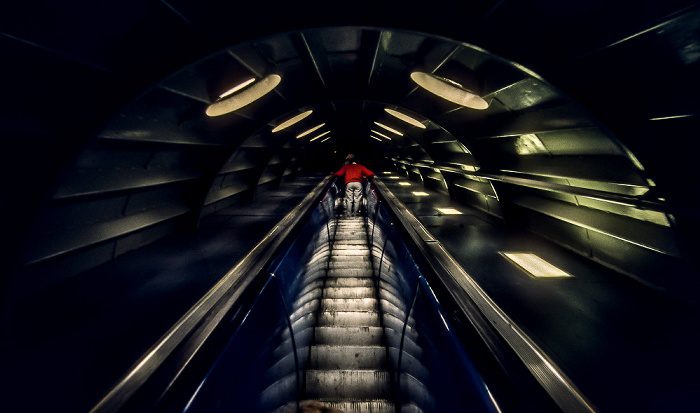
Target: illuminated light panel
{"x":244,"y":97}
{"x":386,"y":173}
{"x":672,"y":117}
{"x":292,"y":121}
{"x":237,"y":88}
{"x":394,"y":177}
{"x":420,"y":193}
{"x":534,"y":265}
{"x":380,"y":134}
{"x":321,"y":135}
{"x":301,"y":135}
{"x":374,"y":137}
{"x":449,"y":90}
{"x":404,"y":117}
{"x":449,"y":211}
{"x":325,"y":139}
{"x":388,"y":128}
{"x":405,"y":183}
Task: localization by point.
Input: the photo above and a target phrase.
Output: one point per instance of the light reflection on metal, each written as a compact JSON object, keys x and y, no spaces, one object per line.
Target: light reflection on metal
{"x":529,"y":144}
{"x":321,"y":135}
{"x":244,"y":97}
{"x":301,"y":135}
{"x":388,"y":128}
{"x":449,"y":90}
{"x":291,"y":121}
{"x":449,"y":211}
{"x":404,"y":117}
{"x":380,"y":134}
{"x":534,"y":265}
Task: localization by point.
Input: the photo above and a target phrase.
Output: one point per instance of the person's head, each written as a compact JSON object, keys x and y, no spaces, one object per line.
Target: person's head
{"x":350,"y":157}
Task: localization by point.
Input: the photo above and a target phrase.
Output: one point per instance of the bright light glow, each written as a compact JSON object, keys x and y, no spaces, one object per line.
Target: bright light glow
{"x":405,"y":118}
{"x":405,"y":183}
{"x":534,"y":265}
{"x":388,"y":128}
{"x":323,"y":134}
{"x":394,"y":177}
{"x":237,"y":88}
{"x":449,"y":211}
{"x":375,"y":138}
{"x":291,"y":121}
{"x":245,"y":97}
{"x":420,"y":193}
{"x":380,"y":134}
{"x":301,"y":135}
{"x":449,"y":90}
{"x":325,"y":139}
{"x":386,"y":173}
{"x":672,"y":117}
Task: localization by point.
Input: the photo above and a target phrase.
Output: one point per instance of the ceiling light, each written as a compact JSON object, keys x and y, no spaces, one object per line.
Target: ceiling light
{"x":404,"y":184}
{"x":449,"y":211}
{"x":325,"y":139}
{"x":449,"y":90}
{"x":310,"y":130}
{"x":388,"y":128}
{"x":291,"y":121}
{"x":405,"y":118}
{"x":323,"y":134}
{"x":380,"y":134}
{"x":237,"y":88}
{"x":394,"y":177}
{"x":375,"y":138}
{"x":234,"y":101}
{"x":534,"y":265}
{"x":420,"y":193}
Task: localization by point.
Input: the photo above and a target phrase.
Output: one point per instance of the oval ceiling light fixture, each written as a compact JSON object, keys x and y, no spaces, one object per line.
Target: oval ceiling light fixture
{"x":301,"y":135}
{"x":292,"y":121}
{"x":380,"y":134}
{"x":449,"y":90}
{"x":404,"y":117}
{"x":242,"y":95}
{"x":323,"y":134}
{"x":388,"y":128}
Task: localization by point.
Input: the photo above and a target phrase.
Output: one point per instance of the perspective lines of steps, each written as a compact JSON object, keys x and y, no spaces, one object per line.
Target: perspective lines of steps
{"x":347,"y":364}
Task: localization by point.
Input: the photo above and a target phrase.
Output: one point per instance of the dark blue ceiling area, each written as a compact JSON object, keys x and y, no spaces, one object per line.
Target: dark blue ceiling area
{"x":589,"y":140}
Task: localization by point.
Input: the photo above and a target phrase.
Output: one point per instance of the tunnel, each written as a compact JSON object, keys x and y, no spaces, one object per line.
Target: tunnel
{"x":155,"y":153}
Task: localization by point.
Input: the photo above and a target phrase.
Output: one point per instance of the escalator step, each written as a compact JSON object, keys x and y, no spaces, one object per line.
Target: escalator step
{"x":348,"y":384}
{"x":348,"y":335}
{"x":326,"y":357}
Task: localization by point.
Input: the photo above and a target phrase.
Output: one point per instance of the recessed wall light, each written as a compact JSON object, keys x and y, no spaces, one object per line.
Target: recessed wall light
{"x":323,"y":134}
{"x":375,"y":138}
{"x":420,"y":193}
{"x":394,"y":177}
{"x":291,"y":121}
{"x":449,"y":90}
{"x":534,"y":265}
{"x":243,"y":95}
{"x":301,"y":135}
{"x":449,"y":211}
{"x":388,"y":128}
{"x":404,"y":117}
{"x":405,"y":183}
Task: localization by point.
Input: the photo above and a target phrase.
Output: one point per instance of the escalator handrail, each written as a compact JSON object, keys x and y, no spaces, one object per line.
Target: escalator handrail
{"x":469,"y":296}
{"x":195,"y":327}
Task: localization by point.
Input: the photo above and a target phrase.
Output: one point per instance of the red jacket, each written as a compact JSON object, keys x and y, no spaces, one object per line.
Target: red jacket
{"x":354,"y":172}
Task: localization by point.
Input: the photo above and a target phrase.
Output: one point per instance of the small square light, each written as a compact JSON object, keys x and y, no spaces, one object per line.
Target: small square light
{"x":404,"y":184}
{"x":534,"y":265}
{"x":420,"y":193}
{"x":449,"y":211}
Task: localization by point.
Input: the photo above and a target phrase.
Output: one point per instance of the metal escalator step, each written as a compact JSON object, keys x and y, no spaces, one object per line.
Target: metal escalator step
{"x":349,"y":335}
{"x":348,"y":292}
{"x":349,"y":304}
{"x":362,"y":406}
{"x":350,"y":282}
{"x":348,"y":384}
{"x":348,"y":318}
{"x":329,"y":357}
{"x":337,"y":272}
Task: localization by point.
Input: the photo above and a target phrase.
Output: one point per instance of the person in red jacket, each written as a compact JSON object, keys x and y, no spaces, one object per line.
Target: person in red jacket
{"x":353,"y":173}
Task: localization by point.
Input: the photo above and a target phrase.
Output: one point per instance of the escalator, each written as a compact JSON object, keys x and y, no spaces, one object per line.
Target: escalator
{"x":363,"y":314}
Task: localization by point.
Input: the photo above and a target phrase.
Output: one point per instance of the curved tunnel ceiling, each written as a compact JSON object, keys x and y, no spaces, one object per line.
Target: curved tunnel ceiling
{"x":557,"y":139}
